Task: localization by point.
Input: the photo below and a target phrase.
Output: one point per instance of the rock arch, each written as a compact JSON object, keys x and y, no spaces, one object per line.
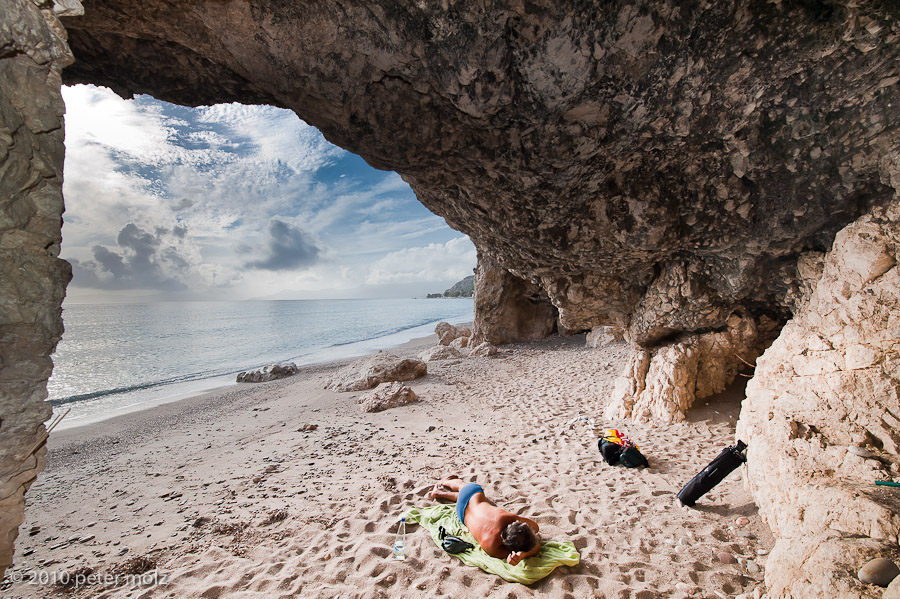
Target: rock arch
{"x":654,"y":166}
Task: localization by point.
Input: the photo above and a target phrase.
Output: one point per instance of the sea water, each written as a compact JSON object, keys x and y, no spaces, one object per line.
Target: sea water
{"x":115,"y":358}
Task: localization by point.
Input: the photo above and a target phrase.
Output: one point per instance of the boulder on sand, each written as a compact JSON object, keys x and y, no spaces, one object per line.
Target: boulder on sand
{"x":381,"y":367}
{"x":439,"y":352}
{"x":459,"y":343}
{"x":446,"y":332}
{"x":483,"y":350}
{"x":387,"y":396}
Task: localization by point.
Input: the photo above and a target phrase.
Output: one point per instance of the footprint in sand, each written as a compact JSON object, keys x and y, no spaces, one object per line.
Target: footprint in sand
{"x":388,"y":580}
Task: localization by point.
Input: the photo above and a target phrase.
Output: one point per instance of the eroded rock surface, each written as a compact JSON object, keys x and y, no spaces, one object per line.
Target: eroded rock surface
{"x":603,"y":335}
{"x":822,"y":419}
{"x":33,"y":280}
{"x":448,"y":333}
{"x":371,"y":371}
{"x":483,"y":350}
{"x":649,"y":165}
{"x":661,"y":384}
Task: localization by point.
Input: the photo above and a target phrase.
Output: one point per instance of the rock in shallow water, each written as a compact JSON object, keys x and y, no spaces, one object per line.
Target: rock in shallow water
{"x":268,"y":373}
{"x":880,"y":571}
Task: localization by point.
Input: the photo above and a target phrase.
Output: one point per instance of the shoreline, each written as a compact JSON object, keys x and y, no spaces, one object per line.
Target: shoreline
{"x":286,"y":489}
{"x":234,"y":392}
{"x":224,"y":383}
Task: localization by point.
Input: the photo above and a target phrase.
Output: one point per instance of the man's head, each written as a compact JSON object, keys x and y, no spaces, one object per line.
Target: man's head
{"x":518,"y":536}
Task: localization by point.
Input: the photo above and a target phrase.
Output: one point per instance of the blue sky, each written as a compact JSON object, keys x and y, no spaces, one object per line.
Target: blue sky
{"x":237,"y":202}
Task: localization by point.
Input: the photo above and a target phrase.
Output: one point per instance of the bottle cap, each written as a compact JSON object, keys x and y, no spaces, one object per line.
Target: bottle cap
{"x":402,"y":518}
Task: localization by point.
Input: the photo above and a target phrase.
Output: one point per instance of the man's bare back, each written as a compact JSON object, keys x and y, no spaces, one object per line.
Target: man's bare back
{"x":485,"y":520}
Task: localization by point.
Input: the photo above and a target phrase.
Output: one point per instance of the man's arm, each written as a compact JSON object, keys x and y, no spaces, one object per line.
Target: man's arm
{"x":516,"y":556}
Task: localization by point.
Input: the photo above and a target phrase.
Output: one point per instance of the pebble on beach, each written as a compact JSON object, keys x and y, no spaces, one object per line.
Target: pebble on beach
{"x":726,"y":558}
{"x":880,"y":571}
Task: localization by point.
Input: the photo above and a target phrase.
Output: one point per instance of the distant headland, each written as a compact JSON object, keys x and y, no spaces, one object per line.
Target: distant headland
{"x":464,"y":288}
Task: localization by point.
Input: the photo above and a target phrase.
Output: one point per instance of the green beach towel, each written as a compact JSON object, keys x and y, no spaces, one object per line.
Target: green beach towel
{"x":552,"y":554}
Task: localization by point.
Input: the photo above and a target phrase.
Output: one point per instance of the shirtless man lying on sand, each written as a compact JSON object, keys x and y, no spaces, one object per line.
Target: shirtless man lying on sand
{"x":500,"y":534}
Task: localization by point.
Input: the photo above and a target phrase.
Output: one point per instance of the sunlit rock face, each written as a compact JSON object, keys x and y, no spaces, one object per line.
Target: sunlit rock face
{"x":651,"y":165}
{"x":822,"y":418}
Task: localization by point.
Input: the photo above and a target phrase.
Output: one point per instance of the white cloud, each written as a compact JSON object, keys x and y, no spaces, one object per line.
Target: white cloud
{"x":277,"y":134}
{"x":450,"y":261}
{"x":171,"y":198}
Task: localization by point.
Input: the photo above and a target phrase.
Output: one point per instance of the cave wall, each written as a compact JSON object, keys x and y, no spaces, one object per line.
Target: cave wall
{"x":33,"y":280}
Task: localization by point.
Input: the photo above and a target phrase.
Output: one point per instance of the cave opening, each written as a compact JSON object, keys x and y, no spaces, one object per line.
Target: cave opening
{"x":173,"y":211}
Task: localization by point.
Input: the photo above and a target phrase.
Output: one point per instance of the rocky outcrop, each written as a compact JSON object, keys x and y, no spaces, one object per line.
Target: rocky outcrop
{"x":509,"y":308}
{"x":661,"y":384}
{"x":460,"y":344}
{"x":893,"y":590}
{"x":268,"y":373}
{"x":371,"y":371}
{"x":822,"y":418}
{"x":33,"y":51}
{"x":387,"y":396}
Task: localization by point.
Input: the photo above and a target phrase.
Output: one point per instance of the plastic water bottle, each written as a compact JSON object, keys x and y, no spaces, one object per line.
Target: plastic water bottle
{"x":400,"y":541}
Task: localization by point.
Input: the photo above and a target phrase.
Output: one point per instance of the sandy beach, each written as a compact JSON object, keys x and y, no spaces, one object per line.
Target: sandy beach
{"x":284,"y":489}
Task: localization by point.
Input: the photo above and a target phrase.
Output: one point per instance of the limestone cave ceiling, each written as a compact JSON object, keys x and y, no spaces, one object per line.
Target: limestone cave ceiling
{"x":651,"y":164}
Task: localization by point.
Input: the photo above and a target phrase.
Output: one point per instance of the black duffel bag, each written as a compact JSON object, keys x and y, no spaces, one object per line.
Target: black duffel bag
{"x":730,"y":458}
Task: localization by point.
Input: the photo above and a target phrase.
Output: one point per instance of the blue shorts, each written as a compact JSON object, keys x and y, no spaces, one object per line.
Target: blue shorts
{"x":462,"y":500}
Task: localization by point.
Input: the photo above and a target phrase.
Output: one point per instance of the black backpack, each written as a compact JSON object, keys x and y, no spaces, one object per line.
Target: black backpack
{"x":613,"y":454}
{"x":610,"y":451}
{"x":632,"y":458}
{"x":452,"y":544}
